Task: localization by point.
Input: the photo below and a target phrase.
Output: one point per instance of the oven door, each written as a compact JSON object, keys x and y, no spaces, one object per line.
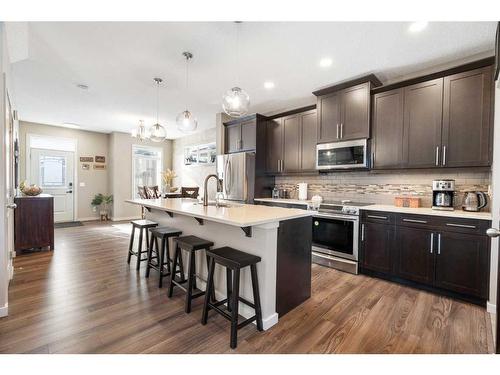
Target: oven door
{"x":342,"y":155}
{"x":336,"y":235}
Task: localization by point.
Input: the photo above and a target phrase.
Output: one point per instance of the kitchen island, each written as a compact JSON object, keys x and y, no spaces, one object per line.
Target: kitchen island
{"x":280,"y":236}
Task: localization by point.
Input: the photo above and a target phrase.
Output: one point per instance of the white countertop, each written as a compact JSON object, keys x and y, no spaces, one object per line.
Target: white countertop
{"x":404,"y":210}
{"x":242,"y":215}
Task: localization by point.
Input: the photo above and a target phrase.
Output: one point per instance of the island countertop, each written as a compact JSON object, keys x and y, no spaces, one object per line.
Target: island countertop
{"x":241,"y":215}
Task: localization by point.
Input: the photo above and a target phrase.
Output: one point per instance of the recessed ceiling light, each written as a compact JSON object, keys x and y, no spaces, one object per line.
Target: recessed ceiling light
{"x":71,"y":125}
{"x":269,"y":85}
{"x":82,"y":86}
{"x":415,"y":27}
{"x":325,"y":62}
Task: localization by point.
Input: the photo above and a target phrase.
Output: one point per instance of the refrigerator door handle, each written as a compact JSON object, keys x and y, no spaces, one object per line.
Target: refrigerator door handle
{"x":229,"y":176}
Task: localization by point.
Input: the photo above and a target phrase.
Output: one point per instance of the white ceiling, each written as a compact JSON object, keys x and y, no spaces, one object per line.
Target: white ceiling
{"x":118,"y":61}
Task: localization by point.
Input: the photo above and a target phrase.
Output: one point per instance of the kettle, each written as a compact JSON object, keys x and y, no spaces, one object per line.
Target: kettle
{"x":474,"y":201}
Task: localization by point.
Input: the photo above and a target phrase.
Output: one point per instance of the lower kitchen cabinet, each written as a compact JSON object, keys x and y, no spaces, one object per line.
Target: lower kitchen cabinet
{"x":376,"y":245}
{"x":415,"y":254}
{"x":462,"y":263}
{"x":448,"y":256}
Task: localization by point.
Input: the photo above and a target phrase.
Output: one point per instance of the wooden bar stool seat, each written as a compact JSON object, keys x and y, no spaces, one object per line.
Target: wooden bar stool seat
{"x":234,"y":260}
{"x":142,"y":225}
{"x":190,"y":244}
{"x":162,"y":252}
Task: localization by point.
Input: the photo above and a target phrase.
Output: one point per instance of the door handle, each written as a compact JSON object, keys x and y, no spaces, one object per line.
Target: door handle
{"x":439,"y":243}
{"x":432,"y":242}
{"x":437,"y":156}
{"x":492,"y":232}
{"x":337,"y":131}
{"x":12,"y":206}
{"x":362,"y":232}
{"x":377,"y":217}
{"x":69,"y":191}
{"x":341,"y":130}
{"x":444,"y":156}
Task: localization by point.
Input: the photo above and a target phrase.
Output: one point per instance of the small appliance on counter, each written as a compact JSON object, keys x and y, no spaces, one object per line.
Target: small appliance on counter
{"x":443,"y":192}
{"x":474,"y":201}
{"x":302,"y":187}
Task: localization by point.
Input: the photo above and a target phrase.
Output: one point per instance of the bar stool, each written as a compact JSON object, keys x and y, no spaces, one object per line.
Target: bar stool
{"x":162,"y":252}
{"x":234,"y":260}
{"x":141,"y":225}
{"x":191,"y":244}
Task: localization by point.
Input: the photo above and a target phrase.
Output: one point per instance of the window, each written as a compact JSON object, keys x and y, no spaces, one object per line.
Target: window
{"x":52,"y":171}
{"x":146,"y":167}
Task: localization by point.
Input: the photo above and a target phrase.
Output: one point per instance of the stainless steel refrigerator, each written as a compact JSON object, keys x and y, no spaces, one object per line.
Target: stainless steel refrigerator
{"x":237,"y":172}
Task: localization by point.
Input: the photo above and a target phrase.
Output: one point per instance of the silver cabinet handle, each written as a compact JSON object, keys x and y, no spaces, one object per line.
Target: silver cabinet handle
{"x":337,"y":131}
{"x":439,"y":243}
{"x":415,"y":221}
{"x":461,"y":225}
{"x":373,"y":159}
{"x":432,"y":242}
{"x":362,"y":232}
{"x":12,"y":206}
{"x":437,"y":156}
{"x":341,"y":130}
{"x":377,"y":217}
{"x":279,"y":165}
{"x":444,"y":155}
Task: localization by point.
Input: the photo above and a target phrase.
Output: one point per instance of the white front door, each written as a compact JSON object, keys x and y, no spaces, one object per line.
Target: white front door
{"x":53,"y":172}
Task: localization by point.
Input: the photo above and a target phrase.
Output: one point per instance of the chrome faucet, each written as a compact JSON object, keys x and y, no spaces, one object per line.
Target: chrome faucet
{"x":205,"y":191}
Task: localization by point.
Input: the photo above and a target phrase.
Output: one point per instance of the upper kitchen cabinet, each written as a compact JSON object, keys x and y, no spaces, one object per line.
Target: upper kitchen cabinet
{"x":467,"y":119}
{"x":308,"y":122}
{"x":291,"y":143}
{"x":274,"y":140}
{"x":423,"y":109}
{"x":387,"y":130}
{"x":241,"y":133}
{"x":344,"y":110}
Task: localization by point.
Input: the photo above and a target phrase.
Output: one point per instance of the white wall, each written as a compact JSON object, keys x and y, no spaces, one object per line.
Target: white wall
{"x":120,"y":172}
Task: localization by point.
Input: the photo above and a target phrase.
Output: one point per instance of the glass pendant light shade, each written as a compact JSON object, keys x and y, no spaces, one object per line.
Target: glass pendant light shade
{"x":140,"y":132}
{"x":186,"y":122}
{"x":235,"y":102}
{"x":157,"y":133}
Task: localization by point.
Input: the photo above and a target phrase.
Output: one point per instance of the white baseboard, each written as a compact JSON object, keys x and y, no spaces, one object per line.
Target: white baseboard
{"x":491,"y":308}
{"x":125,"y":218}
{"x":4,"y":311}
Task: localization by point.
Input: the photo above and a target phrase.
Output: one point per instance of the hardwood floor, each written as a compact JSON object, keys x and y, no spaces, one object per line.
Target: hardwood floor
{"x":84,"y":298}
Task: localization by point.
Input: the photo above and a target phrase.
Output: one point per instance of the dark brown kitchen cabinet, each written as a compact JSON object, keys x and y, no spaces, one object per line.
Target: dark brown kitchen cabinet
{"x":462,"y":261}
{"x":467,"y":119}
{"x":355,"y":112}
{"x":387,"y":130}
{"x":329,"y":117}
{"x":274,"y":139}
{"x":415,"y":254}
{"x":241,"y":134}
{"x":291,"y":143}
{"x":308,"y":140}
{"x":423,"y":108}
{"x":376,"y":244}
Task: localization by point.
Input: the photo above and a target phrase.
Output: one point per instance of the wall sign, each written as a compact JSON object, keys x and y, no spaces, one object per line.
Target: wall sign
{"x":100,"y":166}
{"x":85,"y":166}
{"x":100,"y":159}
{"x":86,"y":159}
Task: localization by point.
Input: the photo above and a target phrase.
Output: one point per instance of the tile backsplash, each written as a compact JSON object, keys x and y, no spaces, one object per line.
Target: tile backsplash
{"x":381,"y":187}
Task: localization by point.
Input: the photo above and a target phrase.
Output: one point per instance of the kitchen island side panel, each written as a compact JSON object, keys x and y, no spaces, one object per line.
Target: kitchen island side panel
{"x":293,"y":273}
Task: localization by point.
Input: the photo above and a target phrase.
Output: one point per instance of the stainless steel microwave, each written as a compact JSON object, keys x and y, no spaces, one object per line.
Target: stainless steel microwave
{"x":342,"y":155}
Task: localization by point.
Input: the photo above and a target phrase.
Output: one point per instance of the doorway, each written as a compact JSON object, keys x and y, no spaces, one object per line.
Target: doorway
{"x":53,"y":171}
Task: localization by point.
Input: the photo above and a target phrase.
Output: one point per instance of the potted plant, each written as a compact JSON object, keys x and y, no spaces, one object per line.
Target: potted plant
{"x":103,"y":201}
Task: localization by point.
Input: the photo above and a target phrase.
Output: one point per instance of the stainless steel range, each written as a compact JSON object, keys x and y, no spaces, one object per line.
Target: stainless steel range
{"x":336,"y":235}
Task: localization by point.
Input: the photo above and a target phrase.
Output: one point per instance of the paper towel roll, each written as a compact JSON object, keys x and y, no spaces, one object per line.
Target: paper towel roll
{"x":302,"y":191}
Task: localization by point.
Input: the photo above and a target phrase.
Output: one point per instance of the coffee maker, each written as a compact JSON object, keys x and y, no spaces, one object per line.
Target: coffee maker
{"x":443,"y":192}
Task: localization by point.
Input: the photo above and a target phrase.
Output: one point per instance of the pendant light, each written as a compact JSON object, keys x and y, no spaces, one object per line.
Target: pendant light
{"x":185,"y":120}
{"x":157,"y":133}
{"x":140,"y":132}
{"x":235,"y":102}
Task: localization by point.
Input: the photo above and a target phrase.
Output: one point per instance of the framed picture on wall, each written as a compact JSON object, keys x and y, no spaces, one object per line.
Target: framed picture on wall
{"x":204,"y":154}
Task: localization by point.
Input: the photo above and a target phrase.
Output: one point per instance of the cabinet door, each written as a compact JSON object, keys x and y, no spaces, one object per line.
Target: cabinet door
{"x":248,"y":135}
{"x":233,"y":137}
{"x":328,"y":107}
{"x":467,"y":119}
{"x":415,"y":254}
{"x":423,"y":107}
{"x":376,"y":246}
{"x":387,"y":138}
{"x":309,"y":139}
{"x":355,"y":118}
{"x":274,"y":139}
{"x":291,"y":143}
{"x":462,"y":263}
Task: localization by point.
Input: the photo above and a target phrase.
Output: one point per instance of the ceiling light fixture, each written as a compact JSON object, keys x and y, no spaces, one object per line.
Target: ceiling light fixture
{"x":140,"y":132}
{"x":235,"y":102}
{"x":325,"y":62}
{"x":157,"y":133}
{"x":415,"y":27}
{"x":269,"y":85}
{"x":71,"y":125}
{"x":185,"y":120}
